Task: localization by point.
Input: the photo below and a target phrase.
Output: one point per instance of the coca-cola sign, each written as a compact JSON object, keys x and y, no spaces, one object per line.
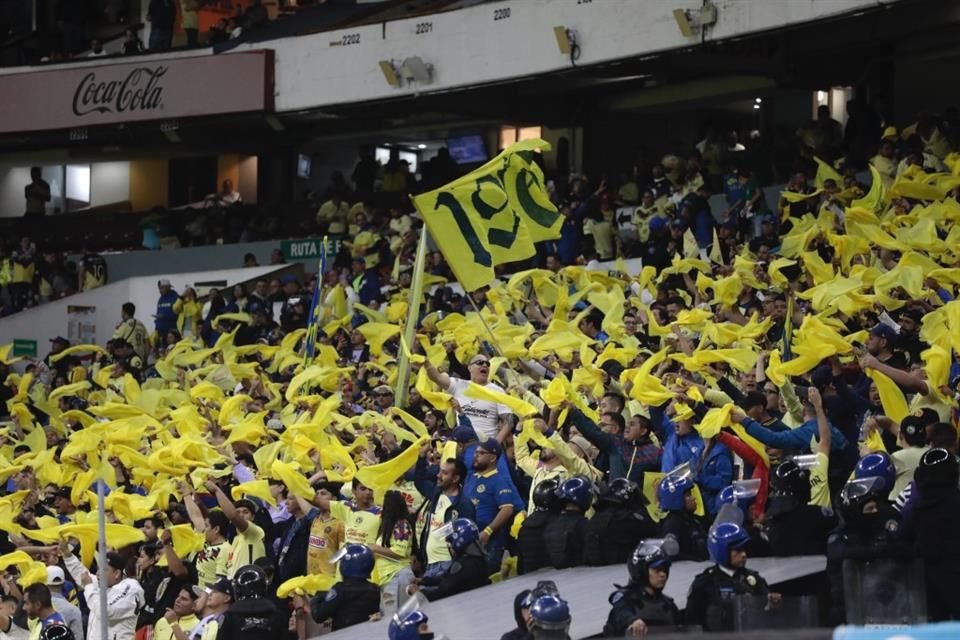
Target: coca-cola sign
{"x":139,"y":91}
{"x":152,"y":88}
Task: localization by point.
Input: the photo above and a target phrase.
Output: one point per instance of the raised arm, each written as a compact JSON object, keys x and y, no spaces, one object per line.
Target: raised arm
{"x":226,"y":504}
{"x":823,"y":425}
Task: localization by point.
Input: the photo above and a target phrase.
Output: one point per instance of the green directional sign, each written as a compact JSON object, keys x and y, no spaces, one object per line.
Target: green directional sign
{"x":27,"y":348}
{"x":310,"y":248}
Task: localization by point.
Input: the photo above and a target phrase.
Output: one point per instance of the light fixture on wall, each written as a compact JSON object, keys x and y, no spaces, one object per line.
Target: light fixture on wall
{"x":390,"y":73}
{"x":170,"y":129}
{"x":691,"y":21}
{"x":563,"y":39}
{"x":416,"y":70}
{"x":275,"y":123}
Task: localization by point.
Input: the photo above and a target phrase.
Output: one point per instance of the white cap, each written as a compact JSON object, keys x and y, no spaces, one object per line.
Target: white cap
{"x":55,"y":575}
{"x":163,"y":282}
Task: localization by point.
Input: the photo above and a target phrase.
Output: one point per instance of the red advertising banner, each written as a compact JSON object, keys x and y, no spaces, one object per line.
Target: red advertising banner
{"x":147,"y":89}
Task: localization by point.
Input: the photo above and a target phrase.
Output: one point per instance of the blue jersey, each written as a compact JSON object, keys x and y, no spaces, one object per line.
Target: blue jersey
{"x":489,"y":491}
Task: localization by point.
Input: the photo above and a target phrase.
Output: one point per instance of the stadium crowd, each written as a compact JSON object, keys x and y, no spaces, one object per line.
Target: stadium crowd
{"x":782,"y":383}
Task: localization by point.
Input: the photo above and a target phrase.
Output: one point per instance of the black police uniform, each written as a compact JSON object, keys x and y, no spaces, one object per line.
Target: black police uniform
{"x":932,"y":529}
{"x":564,"y":538}
{"x":612,"y":534}
{"x":689,"y":532}
{"x":795,"y":529}
{"x":531,"y":548}
{"x":255,"y":619}
{"x":710,"y":601}
{"x":868,"y":537}
{"x":467,"y":571}
{"x":348,"y":602}
{"x":635,"y":602}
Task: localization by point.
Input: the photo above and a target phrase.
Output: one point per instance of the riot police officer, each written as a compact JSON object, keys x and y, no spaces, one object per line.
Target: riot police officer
{"x":564,"y":536}
{"x":354,"y":599}
{"x":467,"y":571}
{"x":620,"y":522}
{"x":932,"y":526}
{"x":740,"y":495}
{"x":675,"y":495}
{"x":412,"y":625}
{"x":531,"y":549}
{"x":793,"y":526}
{"x":642,"y":603}
{"x":869,"y":530}
{"x":550,"y":618}
{"x":252,"y":616}
{"x":710,"y":602}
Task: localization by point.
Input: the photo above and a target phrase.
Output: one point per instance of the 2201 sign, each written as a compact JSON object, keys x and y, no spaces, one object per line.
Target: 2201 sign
{"x":424,"y":27}
{"x":501,"y":14}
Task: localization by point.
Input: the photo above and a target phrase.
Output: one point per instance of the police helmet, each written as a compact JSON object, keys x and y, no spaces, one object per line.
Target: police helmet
{"x":937,"y":468}
{"x":576,"y":490}
{"x":463,"y":533}
{"x":724,"y":537}
{"x":790,"y":478}
{"x":355,"y":561}
{"x":876,"y":465}
{"x":740,"y":493}
{"x":545,"y":495}
{"x":649,"y":554}
{"x":550,"y":613}
{"x":671,"y":492}
{"x":56,"y":632}
{"x":406,"y":626}
{"x":250,"y":583}
{"x":624,"y":492}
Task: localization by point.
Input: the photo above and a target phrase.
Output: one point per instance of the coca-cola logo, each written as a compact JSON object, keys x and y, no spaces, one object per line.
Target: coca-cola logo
{"x":139,"y":91}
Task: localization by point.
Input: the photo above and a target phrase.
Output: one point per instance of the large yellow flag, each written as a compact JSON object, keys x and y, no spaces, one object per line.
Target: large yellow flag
{"x":492,"y":215}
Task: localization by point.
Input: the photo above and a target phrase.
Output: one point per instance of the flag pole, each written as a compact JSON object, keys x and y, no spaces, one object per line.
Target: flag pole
{"x":410,"y":328}
{"x":102,"y":556}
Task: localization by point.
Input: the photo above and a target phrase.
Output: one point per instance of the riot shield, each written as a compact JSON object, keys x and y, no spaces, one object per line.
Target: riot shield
{"x":752,"y":612}
{"x":884,"y":591}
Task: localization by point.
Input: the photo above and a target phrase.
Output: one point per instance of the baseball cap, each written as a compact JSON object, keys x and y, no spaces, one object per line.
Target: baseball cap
{"x":913,"y":425}
{"x":55,"y":576}
{"x":884,"y":331}
{"x":491,"y":445}
{"x":163,"y":282}
{"x":463,"y":434}
{"x":287,"y":278}
{"x":223,"y":585}
{"x":249,"y":505}
{"x":60,"y":339}
{"x":383,"y":389}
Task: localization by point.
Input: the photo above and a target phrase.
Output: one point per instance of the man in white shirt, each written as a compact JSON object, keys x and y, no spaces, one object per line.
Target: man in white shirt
{"x":487,"y":417}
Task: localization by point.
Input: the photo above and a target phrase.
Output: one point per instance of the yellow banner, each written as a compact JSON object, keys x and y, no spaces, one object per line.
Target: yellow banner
{"x":492,"y":215}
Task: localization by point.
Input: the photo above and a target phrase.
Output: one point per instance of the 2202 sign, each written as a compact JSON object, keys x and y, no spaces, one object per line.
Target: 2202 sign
{"x":350,"y":38}
{"x":501,"y":14}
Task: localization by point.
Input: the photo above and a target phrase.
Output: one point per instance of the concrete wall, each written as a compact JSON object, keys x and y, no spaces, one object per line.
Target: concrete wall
{"x":52,"y":319}
{"x":190,"y":259}
{"x":501,"y":41}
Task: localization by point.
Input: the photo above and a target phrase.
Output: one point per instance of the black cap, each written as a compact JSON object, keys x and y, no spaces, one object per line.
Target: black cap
{"x":223,"y":585}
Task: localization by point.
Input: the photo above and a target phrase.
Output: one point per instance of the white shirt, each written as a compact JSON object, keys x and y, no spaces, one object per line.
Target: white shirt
{"x":483,"y":414}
